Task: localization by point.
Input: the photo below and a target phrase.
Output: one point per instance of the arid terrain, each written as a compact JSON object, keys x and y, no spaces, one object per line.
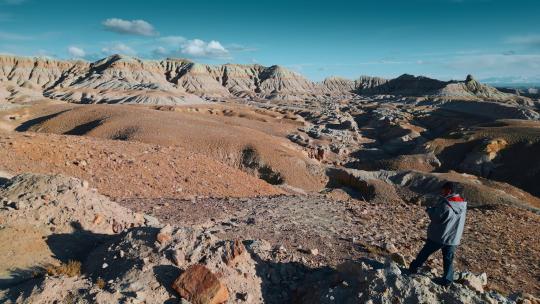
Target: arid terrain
{"x":133,"y":181}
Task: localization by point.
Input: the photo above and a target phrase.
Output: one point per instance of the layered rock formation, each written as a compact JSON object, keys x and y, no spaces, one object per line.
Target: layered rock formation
{"x":409,"y":85}
{"x":337,"y":85}
{"x":124,"y":79}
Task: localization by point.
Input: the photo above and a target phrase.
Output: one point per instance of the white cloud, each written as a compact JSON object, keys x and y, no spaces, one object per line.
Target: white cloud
{"x":119,"y":48}
{"x":173,"y":40}
{"x":199,"y":48}
{"x":179,"y":46}
{"x":76,"y":52}
{"x":532,"y":40}
{"x":133,"y":27}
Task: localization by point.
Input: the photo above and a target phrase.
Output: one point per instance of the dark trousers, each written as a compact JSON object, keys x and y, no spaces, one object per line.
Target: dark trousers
{"x":448,"y":257}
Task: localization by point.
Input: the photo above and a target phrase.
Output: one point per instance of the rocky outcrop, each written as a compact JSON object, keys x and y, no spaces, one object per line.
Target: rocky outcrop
{"x":480,"y":161}
{"x":120,"y":79}
{"x":277,"y":82}
{"x":368,"y":82}
{"x":472,"y":89}
{"x":241,"y":80}
{"x":420,"y":86}
{"x":406,"y":85}
{"x":341,"y":86}
{"x":479,"y":192}
{"x":338,"y":85}
{"x":39,"y":211}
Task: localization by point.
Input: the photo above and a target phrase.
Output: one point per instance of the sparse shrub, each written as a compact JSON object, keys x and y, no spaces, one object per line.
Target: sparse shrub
{"x":252,"y":163}
{"x":69,"y":269}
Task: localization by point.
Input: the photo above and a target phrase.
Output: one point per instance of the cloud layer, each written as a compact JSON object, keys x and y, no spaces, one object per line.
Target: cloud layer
{"x":177,"y":46}
{"x":133,"y":27}
{"x":167,"y":45}
{"x":199,"y":48}
{"x":76,"y":52}
{"x":118,"y":48}
{"x":528,"y":40}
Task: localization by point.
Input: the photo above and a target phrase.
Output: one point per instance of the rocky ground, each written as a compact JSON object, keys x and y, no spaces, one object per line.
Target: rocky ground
{"x":133,"y":258}
{"x":499,"y":241}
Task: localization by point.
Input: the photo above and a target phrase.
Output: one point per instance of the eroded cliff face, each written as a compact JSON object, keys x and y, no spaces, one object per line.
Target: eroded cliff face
{"x":124,"y":79}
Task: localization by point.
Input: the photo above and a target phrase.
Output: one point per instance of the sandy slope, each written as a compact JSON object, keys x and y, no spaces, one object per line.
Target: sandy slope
{"x":225,"y":133}
{"x":127,"y":169}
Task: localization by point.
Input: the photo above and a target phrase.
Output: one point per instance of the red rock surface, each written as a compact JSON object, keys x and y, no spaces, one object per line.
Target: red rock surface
{"x":200,"y":286}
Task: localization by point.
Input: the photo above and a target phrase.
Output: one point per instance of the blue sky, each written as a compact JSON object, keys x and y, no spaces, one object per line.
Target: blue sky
{"x":491,"y":39}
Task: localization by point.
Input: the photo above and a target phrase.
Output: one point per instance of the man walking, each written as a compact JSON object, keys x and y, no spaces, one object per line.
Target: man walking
{"x":444,"y":232}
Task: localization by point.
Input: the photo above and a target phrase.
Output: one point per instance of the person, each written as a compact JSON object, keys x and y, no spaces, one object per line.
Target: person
{"x":444,"y":232}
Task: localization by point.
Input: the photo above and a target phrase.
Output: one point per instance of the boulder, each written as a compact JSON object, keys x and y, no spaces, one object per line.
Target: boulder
{"x":474,"y":282}
{"x":199,"y":285}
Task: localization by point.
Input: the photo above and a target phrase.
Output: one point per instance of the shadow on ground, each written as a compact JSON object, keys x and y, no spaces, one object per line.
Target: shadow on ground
{"x":294,"y":282}
{"x":25,"y":126}
{"x":65,"y":247}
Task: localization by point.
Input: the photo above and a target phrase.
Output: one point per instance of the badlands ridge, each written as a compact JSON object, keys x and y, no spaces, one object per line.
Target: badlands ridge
{"x":122,"y":79}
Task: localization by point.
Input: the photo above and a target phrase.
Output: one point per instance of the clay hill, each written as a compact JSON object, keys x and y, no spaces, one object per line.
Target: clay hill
{"x":124,"y":79}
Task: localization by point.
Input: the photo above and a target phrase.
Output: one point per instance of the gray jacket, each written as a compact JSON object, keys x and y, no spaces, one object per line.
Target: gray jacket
{"x":447,"y":220}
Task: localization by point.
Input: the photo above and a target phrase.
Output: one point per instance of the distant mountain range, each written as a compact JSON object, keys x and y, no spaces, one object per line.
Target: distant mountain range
{"x":124,"y":79}
{"x":513,"y":82}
